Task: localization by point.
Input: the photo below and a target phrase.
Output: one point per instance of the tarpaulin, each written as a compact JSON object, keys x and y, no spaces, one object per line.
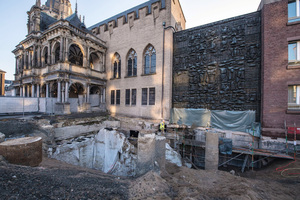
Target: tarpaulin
{"x":198,"y":117}
{"x":243,"y":121}
{"x":232,"y":120}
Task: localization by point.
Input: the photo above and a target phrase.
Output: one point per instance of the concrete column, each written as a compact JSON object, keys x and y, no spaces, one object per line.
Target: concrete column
{"x":32,"y":90}
{"x":66,"y":50}
{"x":47,"y":90}
{"x":38,"y":90}
{"x":67,"y":92}
{"x":21,"y":91}
{"x":58,"y":91}
{"x":212,"y":151}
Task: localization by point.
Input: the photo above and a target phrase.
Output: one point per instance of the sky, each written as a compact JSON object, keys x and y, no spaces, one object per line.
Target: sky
{"x":13,"y":15}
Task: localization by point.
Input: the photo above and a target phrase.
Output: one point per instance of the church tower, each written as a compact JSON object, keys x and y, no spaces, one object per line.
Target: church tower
{"x":58,"y":8}
{"x":34,"y":17}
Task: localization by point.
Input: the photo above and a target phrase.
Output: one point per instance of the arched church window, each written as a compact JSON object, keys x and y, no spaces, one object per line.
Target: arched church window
{"x":150,"y":60}
{"x":132,"y":63}
{"x":57,"y":54}
{"x":116,"y":66}
{"x":75,"y":55}
{"x":45,"y":55}
{"x":96,"y":61}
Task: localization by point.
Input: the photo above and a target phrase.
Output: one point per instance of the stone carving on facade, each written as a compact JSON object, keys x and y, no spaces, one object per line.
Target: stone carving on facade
{"x":59,"y":56}
{"x":223,"y":64}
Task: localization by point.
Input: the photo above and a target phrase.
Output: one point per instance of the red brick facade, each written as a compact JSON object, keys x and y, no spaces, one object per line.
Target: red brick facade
{"x":276,"y":74}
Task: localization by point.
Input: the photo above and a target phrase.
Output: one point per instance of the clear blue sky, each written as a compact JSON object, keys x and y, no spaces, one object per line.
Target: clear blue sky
{"x":197,"y":12}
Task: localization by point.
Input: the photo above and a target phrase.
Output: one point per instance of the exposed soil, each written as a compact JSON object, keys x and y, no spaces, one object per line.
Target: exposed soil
{"x":57,"y":180}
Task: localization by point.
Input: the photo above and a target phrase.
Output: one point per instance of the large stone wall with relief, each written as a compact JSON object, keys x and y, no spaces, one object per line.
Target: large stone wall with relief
{"x":217,"y":66}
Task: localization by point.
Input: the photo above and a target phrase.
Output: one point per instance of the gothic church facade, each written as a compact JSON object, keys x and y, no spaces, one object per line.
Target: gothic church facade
{"x":123,"y":63}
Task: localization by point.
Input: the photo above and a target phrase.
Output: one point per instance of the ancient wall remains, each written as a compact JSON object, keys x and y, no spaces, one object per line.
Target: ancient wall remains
{"x":217,"y":66}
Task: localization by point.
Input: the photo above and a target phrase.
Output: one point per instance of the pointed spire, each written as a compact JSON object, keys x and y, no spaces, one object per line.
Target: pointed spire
{"x":83,"y":18}
{"x":38,"y":3}
{"x":76,"y":7}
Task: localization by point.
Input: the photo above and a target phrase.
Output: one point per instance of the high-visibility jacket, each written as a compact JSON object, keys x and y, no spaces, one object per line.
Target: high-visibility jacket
{"x":162,"y":126}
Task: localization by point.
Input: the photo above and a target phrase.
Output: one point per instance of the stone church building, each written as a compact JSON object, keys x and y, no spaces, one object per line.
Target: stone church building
{"x":122,"y":64}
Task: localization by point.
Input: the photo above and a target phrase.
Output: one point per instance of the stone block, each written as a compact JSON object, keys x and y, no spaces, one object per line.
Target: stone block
{"x":160,"y":151}
{"x":212,"y":151}
{"x":146,"y":153}
{"x":23,"y":151}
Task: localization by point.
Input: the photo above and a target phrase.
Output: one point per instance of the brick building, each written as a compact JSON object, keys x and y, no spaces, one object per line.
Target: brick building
{"x":280,"y":66}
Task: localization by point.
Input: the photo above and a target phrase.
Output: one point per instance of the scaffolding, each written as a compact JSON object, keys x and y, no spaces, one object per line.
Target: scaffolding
{"x":183,"y":139}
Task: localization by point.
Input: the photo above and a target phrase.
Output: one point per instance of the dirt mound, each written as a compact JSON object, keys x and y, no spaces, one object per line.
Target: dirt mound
{"x":58,"y":180}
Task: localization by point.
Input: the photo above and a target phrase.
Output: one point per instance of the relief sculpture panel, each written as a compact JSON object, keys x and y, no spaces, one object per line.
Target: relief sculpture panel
{"x":221,"y":65}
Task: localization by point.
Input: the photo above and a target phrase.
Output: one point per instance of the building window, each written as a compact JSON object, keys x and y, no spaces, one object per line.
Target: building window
{"x":132,"y":63}
{"x":294,"y":10}
{"x":112,"y":97}
{"x":150,"y":60}
{"x":57,"y":54}
{"x":116,"y":66}
{"x":294,"y":52}
{"x":118,"y":96}
{"x":45,"y":56}
{"x":75,"y":55}
{"x":151,"y":96}
{"x":294,"y":97}
{"x":133,"y":97}
{"x":144,"y":96}
{"x":127,"y":97}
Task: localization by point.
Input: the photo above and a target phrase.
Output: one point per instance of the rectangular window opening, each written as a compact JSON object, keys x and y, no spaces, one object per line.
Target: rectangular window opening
{"x":133,"y":97}
{"x":118,"y":97}
{"x":127,"y":98}
{"x":144,"y":96}
{"x":112,"y":97}
{"x":294,"y":10}
{"x":294,"y":97}
{"x":151,"y":96}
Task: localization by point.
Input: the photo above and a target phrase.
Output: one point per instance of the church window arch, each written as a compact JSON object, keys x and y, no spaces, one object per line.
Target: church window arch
{"x":131,"y":63}
{"x":75,"y":55}
{"x":56,"y":53}
{"x":116,"y":66}
{"x":45,"y":56}
{"x":96,"y":62}
{"x":149,"y":60}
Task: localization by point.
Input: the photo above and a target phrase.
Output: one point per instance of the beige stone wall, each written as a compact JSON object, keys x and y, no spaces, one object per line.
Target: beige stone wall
{"x":137,"y":34}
